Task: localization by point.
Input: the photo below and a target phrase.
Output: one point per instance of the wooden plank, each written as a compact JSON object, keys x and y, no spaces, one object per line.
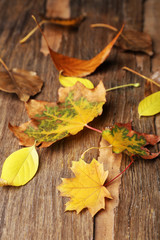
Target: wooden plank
{"x":54,"y":9}
{"x":138,"y":210}
{"x":151,"y":25}
{"x":137,"y":214}
{"x":104,"y":221}
{"x":36,"y":211}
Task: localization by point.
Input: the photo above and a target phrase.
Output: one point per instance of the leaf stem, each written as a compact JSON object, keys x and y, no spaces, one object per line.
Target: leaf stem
{"x":111,"y":28}
{"x":104,"y":25}
{"x":123,"y":86}
{"x":32,"y":31}
{"x":149,"y":79}
{"x":107,"y":183}
{"x":91,"y":148}
{"x":5,"y":66}
{"x":94,"y":129}
{"x":10,"y":75}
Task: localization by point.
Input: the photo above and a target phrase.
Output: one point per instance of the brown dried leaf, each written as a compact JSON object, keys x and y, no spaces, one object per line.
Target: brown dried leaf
{"x":23,"y":83}
{"x":136,"y":41}
{"x":131,"y":40}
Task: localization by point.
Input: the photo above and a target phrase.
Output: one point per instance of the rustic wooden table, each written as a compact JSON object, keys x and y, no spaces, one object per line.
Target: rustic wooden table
{"x":36,"y":211}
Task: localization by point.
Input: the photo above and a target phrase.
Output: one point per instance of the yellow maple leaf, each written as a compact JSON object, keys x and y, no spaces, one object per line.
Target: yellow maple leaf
{"x":86,"y":190}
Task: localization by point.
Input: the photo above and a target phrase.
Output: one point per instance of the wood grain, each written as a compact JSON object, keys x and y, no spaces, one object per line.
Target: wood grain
{"x":54,"y":34}
{"x":36,"y":211}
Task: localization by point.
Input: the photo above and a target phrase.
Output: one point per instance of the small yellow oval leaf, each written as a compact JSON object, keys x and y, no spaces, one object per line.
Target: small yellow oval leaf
{"x":150,"y":105}
{"x":20,"y":167}
{"x":70,"y":81}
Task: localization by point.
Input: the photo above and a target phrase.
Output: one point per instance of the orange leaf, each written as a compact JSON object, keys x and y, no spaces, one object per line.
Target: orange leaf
{"x":131,"y":40}
{"x":77,"y":67}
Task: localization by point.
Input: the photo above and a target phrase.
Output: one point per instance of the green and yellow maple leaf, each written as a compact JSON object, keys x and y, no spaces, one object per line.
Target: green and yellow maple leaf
{"x":51,"y":122}
{"x":86,"y":190}
{"x":124,"y":139}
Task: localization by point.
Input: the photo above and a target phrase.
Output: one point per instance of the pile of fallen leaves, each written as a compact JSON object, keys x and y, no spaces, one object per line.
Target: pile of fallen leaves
{"x":52,"y":121}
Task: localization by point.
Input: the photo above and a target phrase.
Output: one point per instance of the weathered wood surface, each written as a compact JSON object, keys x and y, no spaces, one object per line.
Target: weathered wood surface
{"x":36,"y":211}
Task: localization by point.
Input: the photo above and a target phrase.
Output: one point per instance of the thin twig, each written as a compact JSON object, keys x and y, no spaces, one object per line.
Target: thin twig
{"x":149,"y":79}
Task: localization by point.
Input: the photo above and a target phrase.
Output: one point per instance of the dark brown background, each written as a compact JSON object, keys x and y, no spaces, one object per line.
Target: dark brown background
{"x":36,"y":211}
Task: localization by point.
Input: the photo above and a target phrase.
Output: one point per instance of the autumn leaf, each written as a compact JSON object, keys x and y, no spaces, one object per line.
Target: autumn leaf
{"x":86,"y":190}
{"x":70,"y":81}
{"x":23,"y":83}
{"x":77,"y":67}
{"x":123,"y":139}
{"x":68,"y":22}
{"x":150,"y":105}
{"x":131,"y":40}
{"x":64,"y":22}
{"x":53,"y":121}
{"x":136,"y":41}
{"x":20,"y":167}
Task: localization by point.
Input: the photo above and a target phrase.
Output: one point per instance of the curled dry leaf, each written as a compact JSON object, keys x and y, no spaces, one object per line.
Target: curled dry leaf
{"x":71,"y":81}
{"x":20,"y":167}
{"x":68,"y":22}
{"x":136,"y":41}
{"x":86,"y":190}
{"x":23,"y":83}
{"x":124,"y":139}
{"x":131,"y":40}
{"x":77,"y":67}
{"x":150,"y":105}
{"x":53,"y":121}
{"x":80,"y":68}
{"x":72,"y":22}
